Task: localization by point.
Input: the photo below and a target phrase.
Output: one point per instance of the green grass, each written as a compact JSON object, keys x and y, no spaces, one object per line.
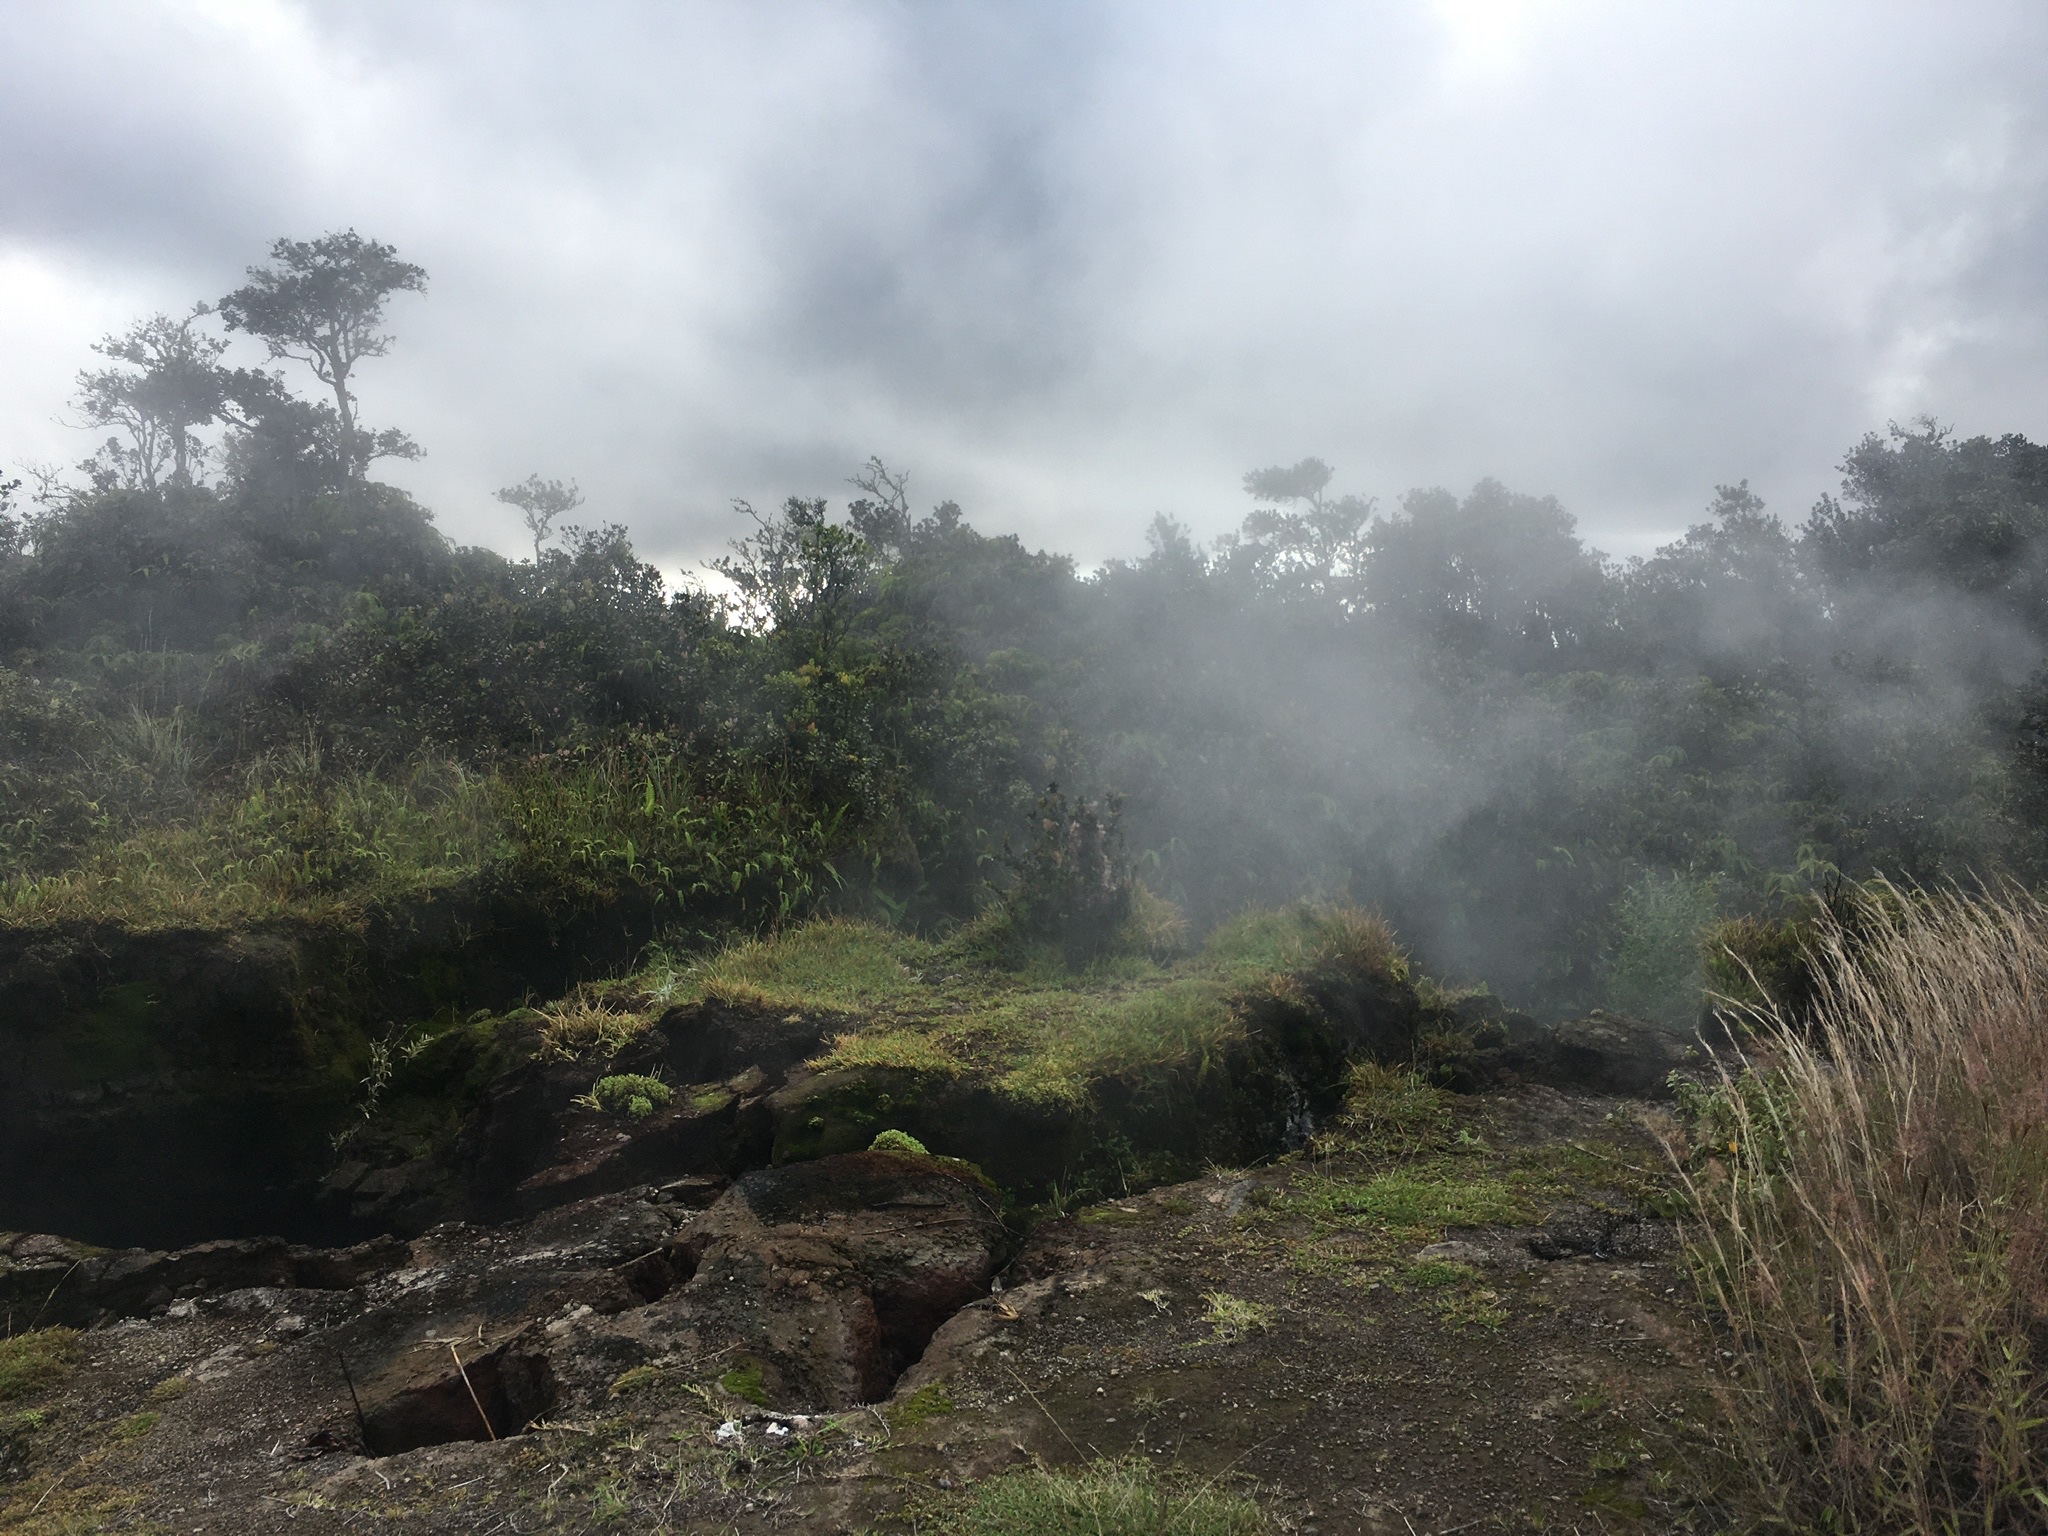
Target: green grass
{"x":1426,"y":1196}
{"x":291,"y":838}
{"x":34,"y":1362}
{"x":1033,"y":1032}
{"x":1103,"y":1498}
{"x":289,"y":843}
{"x":829,"y":966}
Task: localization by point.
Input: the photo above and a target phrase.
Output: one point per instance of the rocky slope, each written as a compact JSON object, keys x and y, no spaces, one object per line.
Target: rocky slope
{"x":1442,"y":1315}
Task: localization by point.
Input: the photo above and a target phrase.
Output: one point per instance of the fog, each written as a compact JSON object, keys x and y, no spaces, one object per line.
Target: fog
{"x":1077,"y":264}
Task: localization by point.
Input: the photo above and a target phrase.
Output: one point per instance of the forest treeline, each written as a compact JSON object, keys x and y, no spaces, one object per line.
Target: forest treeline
{"x":238,"y":676}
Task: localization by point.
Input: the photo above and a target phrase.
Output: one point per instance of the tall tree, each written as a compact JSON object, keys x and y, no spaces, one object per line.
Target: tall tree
{"x":170,"y":385}
{"x":322,"y":303}
{"x":540,"y":503}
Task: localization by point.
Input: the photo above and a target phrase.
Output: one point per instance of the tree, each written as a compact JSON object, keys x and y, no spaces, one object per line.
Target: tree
{"x":540,"y":502}
{"x":172,"y":384}
{"x":1316,"y":552}
{"x":1305,"y":481}
{"x":13,"y":536}
{"x":322,"y":304}
{"x":797,"y":572}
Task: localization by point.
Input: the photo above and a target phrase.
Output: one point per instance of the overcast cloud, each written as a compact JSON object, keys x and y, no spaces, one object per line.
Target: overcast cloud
{"x":1070,"y":264}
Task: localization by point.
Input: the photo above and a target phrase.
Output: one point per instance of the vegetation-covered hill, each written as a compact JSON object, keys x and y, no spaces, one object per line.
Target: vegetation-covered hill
{"x":221,"y":704}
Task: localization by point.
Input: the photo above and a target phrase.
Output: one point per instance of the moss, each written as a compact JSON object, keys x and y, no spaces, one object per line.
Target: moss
{"x":930,"y":1401}
{"x":1038,"y":1034}
{"x":632,"y":1093}
{"x":136,"y":1425}
{"x":638,"y":1379}
{"x":170,"y":1389}
{"x":899,"y":1141}
{"x":744,"y":1382}
{"x":34,"y":1362}
{"x":896,"y":1049}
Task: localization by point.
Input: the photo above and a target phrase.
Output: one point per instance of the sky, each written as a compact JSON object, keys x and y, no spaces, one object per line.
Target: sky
{"x":1067,"y":264}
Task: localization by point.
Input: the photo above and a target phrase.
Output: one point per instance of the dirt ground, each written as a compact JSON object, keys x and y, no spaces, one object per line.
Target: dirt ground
{"x":1471,"y":1325}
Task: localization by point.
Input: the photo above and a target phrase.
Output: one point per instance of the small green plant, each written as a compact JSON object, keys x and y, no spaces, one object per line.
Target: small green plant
{"x":1103,"y":1498}
{"x":1437,"y":1274}
{"x":899,"y":1141}
{"x":33,"y":1362}
{"x":638,"y":1095}
{"x":610,"y":1501}
{"x":170,"y":1389}
{"x":136,"y":1425}
{"x":1235,"y":1318}
{"x":744,"y":1382}
{"x":1745,"y":1118}
{"x":1477,"y":1308}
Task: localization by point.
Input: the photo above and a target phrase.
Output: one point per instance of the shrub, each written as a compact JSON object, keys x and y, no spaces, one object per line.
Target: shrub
{"x":1073,"y":885}
{"x":1871,"y":1224}
{"x":1656,"y":969}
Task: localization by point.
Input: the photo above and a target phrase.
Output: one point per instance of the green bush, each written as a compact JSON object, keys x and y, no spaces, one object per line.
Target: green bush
{"x":1656,"y":971}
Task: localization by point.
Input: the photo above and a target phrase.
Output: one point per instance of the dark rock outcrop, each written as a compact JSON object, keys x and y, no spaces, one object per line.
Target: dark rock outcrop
{"x":833,"y":1275}
{"x":1600,"y":1053}
{"x":46,"y":1280}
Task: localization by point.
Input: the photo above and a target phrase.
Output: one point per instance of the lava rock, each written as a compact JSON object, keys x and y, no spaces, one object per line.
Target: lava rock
{"x":833,"y":1275}
{"x":444,"y":1391}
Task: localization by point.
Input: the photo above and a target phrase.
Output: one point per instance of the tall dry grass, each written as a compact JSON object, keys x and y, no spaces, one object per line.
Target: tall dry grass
{"x":1872,"y":1225}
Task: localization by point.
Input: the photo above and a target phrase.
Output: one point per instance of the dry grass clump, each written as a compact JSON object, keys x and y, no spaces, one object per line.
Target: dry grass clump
{"x":1872,"y":1225}
{"x":582,"y":1025}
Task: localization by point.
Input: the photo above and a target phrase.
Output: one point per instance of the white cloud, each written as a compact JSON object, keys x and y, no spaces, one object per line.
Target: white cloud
{"x":1072,"y":263}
